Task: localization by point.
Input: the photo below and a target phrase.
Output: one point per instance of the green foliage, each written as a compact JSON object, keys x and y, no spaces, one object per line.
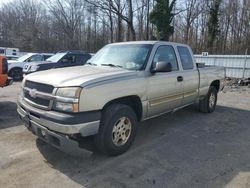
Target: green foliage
{"x":213,"y":22}
{"x":162,"y":16}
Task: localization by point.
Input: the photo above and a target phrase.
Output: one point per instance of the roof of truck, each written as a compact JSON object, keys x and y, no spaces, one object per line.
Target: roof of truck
{"x":147,"y":42}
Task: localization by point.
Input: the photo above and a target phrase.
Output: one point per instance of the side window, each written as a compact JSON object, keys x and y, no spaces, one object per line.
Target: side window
{"x":167,"y":54}
{"x":186,"y":58}
{"x":83,"y":58}
{"x":69,"y":58}
{"x":46,"y":57}
{"x":35,"y":58}
{"x":80,"y":59}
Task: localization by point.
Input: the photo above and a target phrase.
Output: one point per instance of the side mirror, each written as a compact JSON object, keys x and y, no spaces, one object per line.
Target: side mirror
{"x":162,"y":66}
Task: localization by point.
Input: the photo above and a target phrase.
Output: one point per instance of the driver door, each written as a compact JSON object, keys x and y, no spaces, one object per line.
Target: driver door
{"x":164,"y":90}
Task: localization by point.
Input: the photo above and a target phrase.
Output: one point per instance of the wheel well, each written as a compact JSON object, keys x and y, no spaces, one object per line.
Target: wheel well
{"x":216,"y":84}
{"x":132,"y":101}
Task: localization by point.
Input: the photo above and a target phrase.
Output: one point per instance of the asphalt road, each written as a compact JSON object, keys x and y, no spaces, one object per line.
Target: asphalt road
{"x":184,"y":149}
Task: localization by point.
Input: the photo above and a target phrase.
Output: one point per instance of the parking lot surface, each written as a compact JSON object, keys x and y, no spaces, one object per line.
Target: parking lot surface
{"x":184,"y":149}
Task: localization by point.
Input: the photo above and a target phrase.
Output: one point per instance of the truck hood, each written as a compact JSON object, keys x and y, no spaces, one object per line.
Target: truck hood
{"x":80,"y":75}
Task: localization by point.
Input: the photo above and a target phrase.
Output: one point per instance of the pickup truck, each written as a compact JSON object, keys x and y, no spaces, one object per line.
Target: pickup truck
{"x":4,"y":79}
{"x":59,"y":60}
{"x":16,"y":66}
{"x":123,"y":84}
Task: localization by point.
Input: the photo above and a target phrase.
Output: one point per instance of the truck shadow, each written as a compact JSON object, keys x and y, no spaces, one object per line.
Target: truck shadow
{"x":185,"y":149}
{"x":8,"y":115}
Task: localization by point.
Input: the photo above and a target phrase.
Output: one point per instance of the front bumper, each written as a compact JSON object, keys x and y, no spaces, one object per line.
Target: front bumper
{"x":49,"y":127}
{"x":59,"y":141}
{"x":86,"y":123}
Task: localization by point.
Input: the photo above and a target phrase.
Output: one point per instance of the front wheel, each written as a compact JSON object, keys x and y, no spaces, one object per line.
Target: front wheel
{"x":16,"y":74}
{"x":208,"y":104}
{"x":117,"y":130}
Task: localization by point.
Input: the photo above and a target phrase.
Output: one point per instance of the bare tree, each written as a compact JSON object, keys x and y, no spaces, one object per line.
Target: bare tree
{"x":55,"y":25}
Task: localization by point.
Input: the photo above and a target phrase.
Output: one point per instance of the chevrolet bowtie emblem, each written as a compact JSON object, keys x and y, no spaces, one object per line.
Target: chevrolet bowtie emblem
{"x":32,"y":93}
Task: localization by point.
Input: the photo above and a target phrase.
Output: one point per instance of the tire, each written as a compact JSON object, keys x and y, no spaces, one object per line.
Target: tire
{"x":117,"y":130}
{"x":16,"y":74}
{"x":208,"y":104}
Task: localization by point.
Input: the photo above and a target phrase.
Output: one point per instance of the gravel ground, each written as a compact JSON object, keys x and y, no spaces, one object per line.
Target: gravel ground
{"x":184,"y":149}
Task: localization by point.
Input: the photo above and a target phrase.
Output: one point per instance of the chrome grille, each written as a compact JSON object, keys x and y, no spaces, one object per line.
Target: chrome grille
{"x":39,"y":86}
{"x":30,"y":91}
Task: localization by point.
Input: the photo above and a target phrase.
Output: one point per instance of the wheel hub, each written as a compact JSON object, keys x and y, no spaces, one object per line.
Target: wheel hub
{"x":121,"y":131}
{"x":212,"y":100}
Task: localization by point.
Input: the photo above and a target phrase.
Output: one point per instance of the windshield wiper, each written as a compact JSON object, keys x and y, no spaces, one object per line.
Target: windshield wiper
{"x":112,"y":65}
{"x":89,"y":63}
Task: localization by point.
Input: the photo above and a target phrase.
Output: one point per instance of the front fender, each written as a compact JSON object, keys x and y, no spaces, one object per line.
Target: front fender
{"x":15,"y":65}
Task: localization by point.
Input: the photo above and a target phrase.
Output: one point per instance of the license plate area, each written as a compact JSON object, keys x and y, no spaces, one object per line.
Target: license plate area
{"x":42,"y":133}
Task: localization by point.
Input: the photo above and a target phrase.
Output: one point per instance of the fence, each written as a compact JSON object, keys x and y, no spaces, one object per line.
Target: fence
{"x":237,"y":66}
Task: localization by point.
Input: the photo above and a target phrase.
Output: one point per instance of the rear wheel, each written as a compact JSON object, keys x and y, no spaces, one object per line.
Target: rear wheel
{"x":208,"y":104}
{"x":117,"y":130}
{"x":16,"y":74}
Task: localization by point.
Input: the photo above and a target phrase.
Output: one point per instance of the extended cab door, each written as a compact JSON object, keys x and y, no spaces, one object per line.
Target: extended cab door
{"x":164,"y":89}
{"x":190,"y":75}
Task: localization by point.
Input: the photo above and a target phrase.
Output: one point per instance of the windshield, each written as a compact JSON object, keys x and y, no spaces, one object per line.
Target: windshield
{"x":24,"y":58}
{"x":127,"y":56}
{"x":56,"y":57}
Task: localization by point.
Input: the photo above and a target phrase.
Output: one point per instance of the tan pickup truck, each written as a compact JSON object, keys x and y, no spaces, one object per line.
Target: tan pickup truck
{"x":123,"y":84}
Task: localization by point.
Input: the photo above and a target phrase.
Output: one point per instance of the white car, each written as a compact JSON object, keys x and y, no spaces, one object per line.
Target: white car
{"x":16,"y":66}
{"x":9,"y":51}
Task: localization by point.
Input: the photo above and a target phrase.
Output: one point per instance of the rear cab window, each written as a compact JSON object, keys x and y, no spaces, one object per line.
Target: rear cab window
{"x":186,"y":58}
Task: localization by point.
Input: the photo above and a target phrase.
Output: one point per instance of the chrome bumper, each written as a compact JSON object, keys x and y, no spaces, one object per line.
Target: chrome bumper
{"x":60,"y":141}
{"x":27,"y":112}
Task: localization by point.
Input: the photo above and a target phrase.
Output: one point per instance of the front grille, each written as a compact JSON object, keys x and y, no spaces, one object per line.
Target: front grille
{"x":45,"y":88}
{"x":39,"y":86}
{"x":43,"y":102}
{"x":25,"y":67}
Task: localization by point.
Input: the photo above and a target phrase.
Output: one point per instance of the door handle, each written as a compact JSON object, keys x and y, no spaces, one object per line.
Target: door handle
{"x":179,"y":78}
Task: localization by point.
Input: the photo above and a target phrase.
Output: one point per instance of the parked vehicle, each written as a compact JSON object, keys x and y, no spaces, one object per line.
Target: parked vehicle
{"x":11,"y":57}
{"x":4,"y":51}
{"x":59,"y":60}
{"x":123,"y":84}
{"x":4,"y":79}
{"x":16,"y":66}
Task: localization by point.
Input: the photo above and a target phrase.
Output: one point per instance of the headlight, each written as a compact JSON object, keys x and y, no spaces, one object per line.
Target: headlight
{"x":67,"y":99}
{"x":71,"y":92}
{"x":33,"y":68}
